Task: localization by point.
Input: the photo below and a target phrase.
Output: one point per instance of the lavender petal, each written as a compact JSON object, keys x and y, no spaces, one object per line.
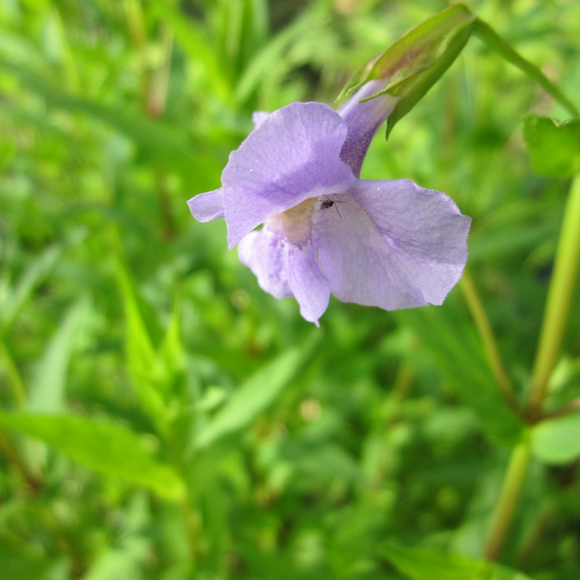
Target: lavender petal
{"x":258,"y":117}
{"x":291,"y":156}
{"x":395,"y":245}
{"x":363,"y":121}
{"x":207,"y":206}
{"x":265,"y":253}
{"x":309,"y":286}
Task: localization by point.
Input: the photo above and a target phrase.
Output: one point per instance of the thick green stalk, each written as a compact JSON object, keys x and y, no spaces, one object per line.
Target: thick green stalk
{"x":503,"y":513}
{"x":560,"y":294}
{"x":559,"y":301}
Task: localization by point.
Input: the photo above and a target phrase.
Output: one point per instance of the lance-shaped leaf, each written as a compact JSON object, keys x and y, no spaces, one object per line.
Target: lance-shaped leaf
{"x":103,"y":446}
{"x":554,"y":147}
{"x":420,"y":563}
{"x":414,"y":63}
{"x":254,"y":396}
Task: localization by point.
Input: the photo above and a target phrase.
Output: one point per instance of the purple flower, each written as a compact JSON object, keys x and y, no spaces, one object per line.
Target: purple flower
{"x":390,"y":244}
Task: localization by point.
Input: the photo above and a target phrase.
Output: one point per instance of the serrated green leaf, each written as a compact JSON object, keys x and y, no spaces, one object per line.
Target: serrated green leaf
{"x":254,"y":396}
{"x":554,"y":147}
{"x":420,"y":564}
{"x":557,"y":440}
{"x":103,"y":446}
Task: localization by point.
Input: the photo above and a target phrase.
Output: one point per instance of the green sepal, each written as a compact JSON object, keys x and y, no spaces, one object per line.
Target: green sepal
{"x":554,"y":147}
{"x":415,"y":62}
{"x":412,"y":65}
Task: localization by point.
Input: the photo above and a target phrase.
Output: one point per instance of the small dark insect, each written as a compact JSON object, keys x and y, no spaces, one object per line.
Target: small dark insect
{"x":328,"y":203}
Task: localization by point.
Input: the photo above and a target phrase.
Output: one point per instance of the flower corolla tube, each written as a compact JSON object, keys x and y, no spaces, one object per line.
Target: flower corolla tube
{"x":390,"y":244}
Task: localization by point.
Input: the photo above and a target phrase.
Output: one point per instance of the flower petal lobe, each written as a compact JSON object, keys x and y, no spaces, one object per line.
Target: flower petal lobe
{"x":292,"y":155}
{"x":207,"y":206}
{"x":395,"y":245}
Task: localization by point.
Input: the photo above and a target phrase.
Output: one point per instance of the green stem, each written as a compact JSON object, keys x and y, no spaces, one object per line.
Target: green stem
{"x":573,"y":407}
{"x":503,"y":513}
{"x":138,"y":33}
{"x":159,"y":81}
{"x":15,"y":380}
{"x":191,"y":523}
{"x":402,"y":387}
{"x":189,"y":514}
{"x":12,"y":456}
{"x":532,"y":540}
{"x":559,"y":301}
{"x":156,"y":101}
{"x":65,"y":543}
{"x":154,"y":94}
{"x":487,"y":35}
{"x":481,"y":320}
{"x":164,"y":199}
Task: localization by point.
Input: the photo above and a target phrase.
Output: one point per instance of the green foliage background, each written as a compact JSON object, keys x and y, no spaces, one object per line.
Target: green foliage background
{"x":192,"y":425}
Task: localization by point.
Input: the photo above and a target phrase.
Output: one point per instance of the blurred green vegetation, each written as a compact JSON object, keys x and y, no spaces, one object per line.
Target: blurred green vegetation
{"x":196,"y":427}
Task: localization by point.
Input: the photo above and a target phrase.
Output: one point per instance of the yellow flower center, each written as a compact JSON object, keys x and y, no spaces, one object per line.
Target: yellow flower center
{"x":297,"y":221}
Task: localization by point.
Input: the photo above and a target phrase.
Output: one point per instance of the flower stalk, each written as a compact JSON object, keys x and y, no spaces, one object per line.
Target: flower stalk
{"x":503,"y":513}
{"x":14,"y":378}
{"x":487,"y":338}
{"x":559,"y":301}
{"x":12,"y":456}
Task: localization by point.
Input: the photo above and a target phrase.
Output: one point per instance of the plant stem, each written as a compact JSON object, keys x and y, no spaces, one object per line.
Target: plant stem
{"x":487,"y":338}
{"x":187,"y":508}
{"x":487,"y":35}
{"x":559,"y":301}
{"x":138,"y":33}
{"x":533,"y":538}
{"x":572,"y":407}
{"x":12,"y":456}
{"x":502,"y":516}
{"x":164,"y":199}
{"x":15,"y":380}
{"x":156,"y":98}
{"x":402,"y":387}
{"x":156,"y":101}
{"x":155,"y":83}
{"x":191,"y":523}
